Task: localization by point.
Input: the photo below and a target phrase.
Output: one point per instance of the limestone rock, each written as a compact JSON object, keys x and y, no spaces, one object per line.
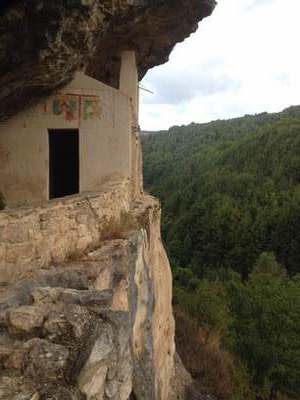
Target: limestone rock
{"x":54,"y":392}
{"x":16,"y":296}
{"x":88,"y":298}
{"x":46,"y":295}
{"x":57,"y":325}
{"x":15,"y":359}
{"x":6,"y":348}
{"x":26,"y":319}
{"x":92,"y":382}
{"x":71,"y":322}
{"x":13,"y":388}
{"x":102,"y":347}
{"x":45,"y":361}
{"x":71,"y":277}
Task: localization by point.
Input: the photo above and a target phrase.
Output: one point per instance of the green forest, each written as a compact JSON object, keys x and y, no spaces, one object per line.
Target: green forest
{"x":230,"y":195}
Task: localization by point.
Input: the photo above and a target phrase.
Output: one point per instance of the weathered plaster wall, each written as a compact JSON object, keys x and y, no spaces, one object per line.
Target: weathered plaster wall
{"x":102,"y":115}
{"x":32,"y":237}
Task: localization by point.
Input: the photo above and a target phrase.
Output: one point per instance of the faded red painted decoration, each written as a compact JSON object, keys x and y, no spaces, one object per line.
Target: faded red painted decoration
{"x":73,"y":106}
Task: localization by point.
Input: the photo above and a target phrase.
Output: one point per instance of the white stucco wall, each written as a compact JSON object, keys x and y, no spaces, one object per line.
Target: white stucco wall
{"x":104,"y":144}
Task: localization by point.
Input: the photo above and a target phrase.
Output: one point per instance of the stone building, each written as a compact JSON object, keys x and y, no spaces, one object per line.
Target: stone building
{"x":80,"y":137}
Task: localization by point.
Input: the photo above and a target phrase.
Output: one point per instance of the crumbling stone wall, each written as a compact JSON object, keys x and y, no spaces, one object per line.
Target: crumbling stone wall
{"x":57,"y":230}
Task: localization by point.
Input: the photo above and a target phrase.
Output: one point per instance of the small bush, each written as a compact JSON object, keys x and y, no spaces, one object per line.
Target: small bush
{"x":117,"y":229}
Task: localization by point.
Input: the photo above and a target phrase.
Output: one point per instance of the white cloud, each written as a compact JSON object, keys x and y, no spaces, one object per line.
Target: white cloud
{"x":243,"y":59}
{"x":169,"y":87}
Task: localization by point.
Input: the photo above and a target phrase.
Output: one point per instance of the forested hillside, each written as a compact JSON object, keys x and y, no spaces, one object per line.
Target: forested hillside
{"x":230,"y":193}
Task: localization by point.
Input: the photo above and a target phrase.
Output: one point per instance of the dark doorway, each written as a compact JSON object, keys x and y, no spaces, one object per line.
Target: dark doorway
{"x":63,"y":162}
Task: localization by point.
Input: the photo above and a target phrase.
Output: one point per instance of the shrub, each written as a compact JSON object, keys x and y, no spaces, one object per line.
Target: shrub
{"x":117,"y":229}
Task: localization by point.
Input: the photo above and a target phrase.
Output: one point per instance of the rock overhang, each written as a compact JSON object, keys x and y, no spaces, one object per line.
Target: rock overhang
{"x":42,"y":43}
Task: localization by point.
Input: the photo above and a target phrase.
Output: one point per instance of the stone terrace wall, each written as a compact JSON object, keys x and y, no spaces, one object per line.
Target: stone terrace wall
{"x":54,"y":231}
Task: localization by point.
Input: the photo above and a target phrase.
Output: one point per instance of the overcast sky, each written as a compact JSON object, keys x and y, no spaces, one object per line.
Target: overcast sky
{"x":244,"y":59}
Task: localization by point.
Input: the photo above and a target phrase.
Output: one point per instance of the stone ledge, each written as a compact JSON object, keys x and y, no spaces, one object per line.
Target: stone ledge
{"x":59,"y":229}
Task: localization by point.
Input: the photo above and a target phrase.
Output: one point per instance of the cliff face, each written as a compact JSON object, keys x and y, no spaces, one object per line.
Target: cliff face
{"x":100,"y":327}
{"x":43,"y":43}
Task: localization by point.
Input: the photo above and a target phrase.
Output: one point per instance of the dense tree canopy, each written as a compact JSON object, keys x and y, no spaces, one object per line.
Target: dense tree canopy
{"x":230,"y":193}
{"x":230,"y":190}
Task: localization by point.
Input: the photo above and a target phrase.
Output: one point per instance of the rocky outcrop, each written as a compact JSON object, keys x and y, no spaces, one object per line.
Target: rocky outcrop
{"x":43,"y":43}
{"x":98,"y":327}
